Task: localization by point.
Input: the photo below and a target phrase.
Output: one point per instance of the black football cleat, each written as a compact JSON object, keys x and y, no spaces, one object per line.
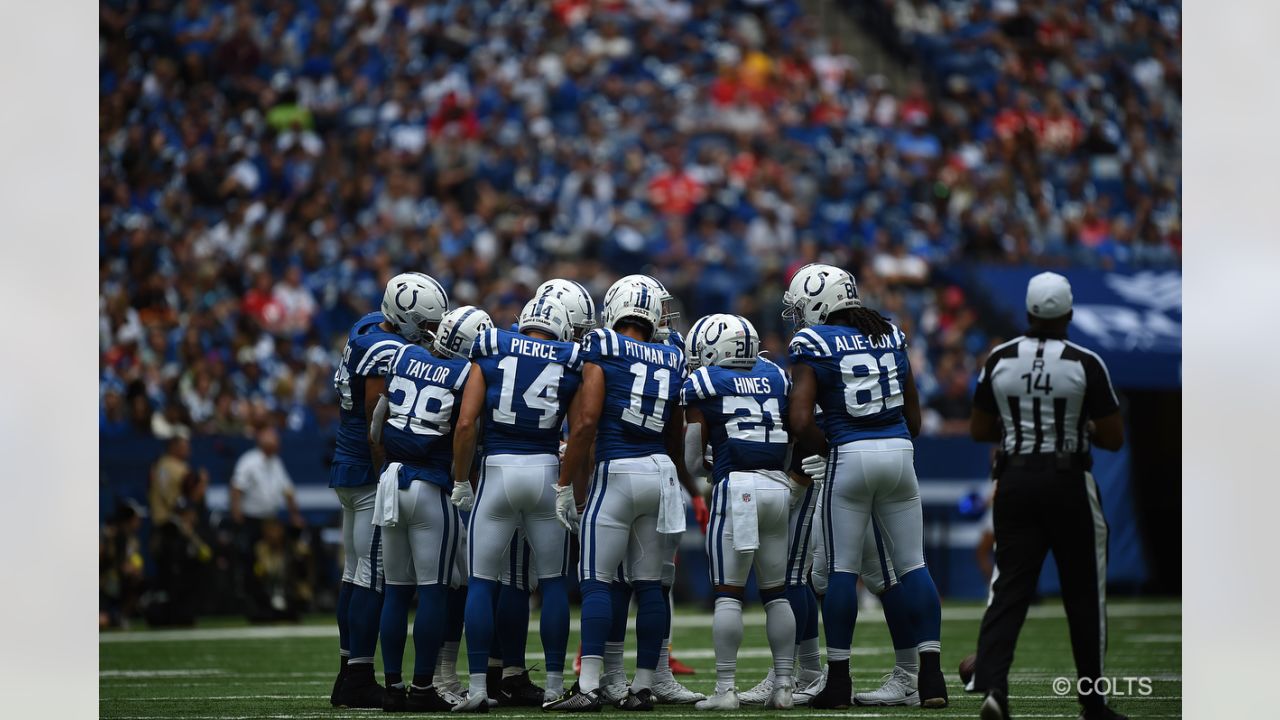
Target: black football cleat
{"x":493,"y":681}
{"x":360,"y":690}
{"x":428,"y":700}
{"x":337,"y":685}
{"x":836,"y":695}
{"x":574,"y":700}
{"x":932,"y":687}
{"x":393,"y":699}
{"x":519,"y":691}
{"x":995,"y":706}
{"x":641,"y":701}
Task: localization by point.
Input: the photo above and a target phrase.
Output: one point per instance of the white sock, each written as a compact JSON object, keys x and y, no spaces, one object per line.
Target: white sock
{"x":592,"y":667}
{"x":809,"y":655}
{"x":907,"y":659}
{"x":726,"y":635}
{"x":478,"y":685}
{"x":642,"y":681}
{"x":780,"y":627}
{"x":613,"y":658}
{"x":555,"y":682}
{"x":663,"y":673}
{"x":511,"y":672}
{"x":447,"y":666}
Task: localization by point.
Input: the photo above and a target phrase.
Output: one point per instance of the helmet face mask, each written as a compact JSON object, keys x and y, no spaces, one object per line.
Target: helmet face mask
{"x":816,"y":291}
{"x":546,"y":314}
{"x":459,"y":330}
{"x":414,"y":303}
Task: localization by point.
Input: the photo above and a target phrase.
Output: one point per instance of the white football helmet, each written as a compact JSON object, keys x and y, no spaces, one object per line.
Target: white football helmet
{"x":631,"y":298}
{"x":729,"y":341}
{"x":576,"y":300}
{"x":549,"y":315}
{"x":668,"y":315}
{"x":817,"y":290}
{"x":459,"y":330}
{"x":693,"y":343}
{"x":413,"y":302}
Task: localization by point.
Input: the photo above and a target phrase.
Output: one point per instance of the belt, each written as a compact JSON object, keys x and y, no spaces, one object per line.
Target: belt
{"x":1045,"y":462}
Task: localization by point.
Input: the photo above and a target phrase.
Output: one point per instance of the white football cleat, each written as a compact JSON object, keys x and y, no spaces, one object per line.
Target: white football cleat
{"x":808,"y":684}
{"x":614,"y":687}
{"x":671,"y":692}
{"x":781,"y":698}
{"x":727,"y":700}
{"x":451,"y":690}
{"x":473,"y":703}
{"x":899,"y":688}
{"x":761,"y":693}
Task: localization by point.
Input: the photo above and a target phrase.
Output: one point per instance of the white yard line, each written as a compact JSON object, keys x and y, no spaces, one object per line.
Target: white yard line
{"x":1050,"y":610}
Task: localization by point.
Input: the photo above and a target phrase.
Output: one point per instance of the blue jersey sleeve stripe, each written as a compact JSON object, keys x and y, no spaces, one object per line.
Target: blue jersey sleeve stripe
{"x":801,"y":345}
{"x":704,"y":379}
{"x":379,"y":353}
{"x":815,"y":340}
{"x":462,"y":376}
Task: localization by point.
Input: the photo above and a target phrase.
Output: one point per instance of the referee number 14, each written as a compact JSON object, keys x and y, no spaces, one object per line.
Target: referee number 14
{"x":1038,"y":381}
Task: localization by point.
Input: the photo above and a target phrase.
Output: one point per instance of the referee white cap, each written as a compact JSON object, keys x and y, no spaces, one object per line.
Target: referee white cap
{"x":1048,"y":296}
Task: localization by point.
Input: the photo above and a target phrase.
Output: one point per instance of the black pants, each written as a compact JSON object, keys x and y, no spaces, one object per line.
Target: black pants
{"x":1036,"y":512}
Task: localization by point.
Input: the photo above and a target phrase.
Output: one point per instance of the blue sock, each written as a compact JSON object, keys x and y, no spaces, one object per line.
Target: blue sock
{"x":554,"y":620}
{"x":344,"y":613}
{"x":810,"y":631}
{"x":512,"y":624}
{"x":898,"y":617}
{"x":395,"y":626}
{"x":597,"y":617}
{"x":652,"y":621}
{"x":428,"y":632}
{"x":363,"y":621}
{"x":924,"y":609}
{"x":620,"y":601}
{"x":457,"y":612}
{"x":479,"y":623}
{"x":798,"y":595}
{"x":840,"y":612}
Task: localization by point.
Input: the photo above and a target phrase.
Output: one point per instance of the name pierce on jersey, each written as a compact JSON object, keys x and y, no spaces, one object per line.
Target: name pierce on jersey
{"x":533,"y":348}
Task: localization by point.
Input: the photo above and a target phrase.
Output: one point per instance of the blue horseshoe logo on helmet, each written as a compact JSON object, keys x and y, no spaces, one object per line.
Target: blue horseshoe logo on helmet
{"x":719,"y":328}
{"x":412,"y":302}
{"x":822,"y":277}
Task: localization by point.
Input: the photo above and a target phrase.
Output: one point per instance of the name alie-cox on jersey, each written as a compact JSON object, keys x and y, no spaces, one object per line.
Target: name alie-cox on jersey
{"x":846,"y":343}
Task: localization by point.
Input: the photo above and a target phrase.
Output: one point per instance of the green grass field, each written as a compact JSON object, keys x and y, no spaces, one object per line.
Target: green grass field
{"x":235,"y":671}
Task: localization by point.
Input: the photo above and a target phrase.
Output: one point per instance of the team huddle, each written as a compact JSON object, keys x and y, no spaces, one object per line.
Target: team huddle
{"x":469,"y":455}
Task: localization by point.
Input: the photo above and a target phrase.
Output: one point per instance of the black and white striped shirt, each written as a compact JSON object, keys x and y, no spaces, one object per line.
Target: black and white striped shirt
{"x":1044,"y":391}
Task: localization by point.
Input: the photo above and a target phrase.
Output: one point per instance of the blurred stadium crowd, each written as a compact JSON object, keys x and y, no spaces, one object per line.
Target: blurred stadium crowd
{"x":266,"y":167}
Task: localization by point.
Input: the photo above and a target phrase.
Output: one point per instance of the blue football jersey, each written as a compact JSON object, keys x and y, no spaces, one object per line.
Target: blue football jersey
{"x":859,"y":381}
{"x":529,"y":384}
{"x":368,"y":353}
{"x":744,"y":414}
{"x":425,"y":392}
{"x":642,"y":385}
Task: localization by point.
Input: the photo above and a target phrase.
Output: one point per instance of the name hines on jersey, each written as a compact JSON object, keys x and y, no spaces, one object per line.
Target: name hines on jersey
{"x":533,"y":348}
{"x":858,"y":342}
{"x":649,"y":354}
{"x":427,"y":372}
{"x":752,"y":386}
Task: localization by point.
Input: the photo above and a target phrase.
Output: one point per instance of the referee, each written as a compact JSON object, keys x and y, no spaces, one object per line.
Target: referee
{"x":1046,"y":400}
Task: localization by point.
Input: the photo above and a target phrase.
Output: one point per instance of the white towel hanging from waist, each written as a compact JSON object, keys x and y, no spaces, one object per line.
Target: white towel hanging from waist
{"x":386,"y":503}
{"x":742,"y":511}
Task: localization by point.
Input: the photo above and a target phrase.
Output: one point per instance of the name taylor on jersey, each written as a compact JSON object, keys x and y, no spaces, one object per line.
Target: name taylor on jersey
{"x":426,"y":372}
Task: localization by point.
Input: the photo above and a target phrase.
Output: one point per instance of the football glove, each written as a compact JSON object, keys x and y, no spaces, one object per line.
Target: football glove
{"x":701,"y":513}
{"x":462,"y":497}
{"x":815,"y":466}
{"x":566,"y":508}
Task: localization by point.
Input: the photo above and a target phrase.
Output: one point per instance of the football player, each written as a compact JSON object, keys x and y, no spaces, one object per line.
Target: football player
{"x":413,"y":424}
{"x":853,"y":364}
{"x":737,"y":401}
{"x":521,"y":393}
{"x":628,"y":408}
{"x":412,"y":305}
{"x":666,"y":689}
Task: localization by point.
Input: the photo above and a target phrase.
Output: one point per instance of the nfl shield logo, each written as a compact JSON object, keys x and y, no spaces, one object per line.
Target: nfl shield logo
{"x":746,"y":497}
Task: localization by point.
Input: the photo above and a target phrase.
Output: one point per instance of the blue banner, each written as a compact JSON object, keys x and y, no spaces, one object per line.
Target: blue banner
{"x":1132,"y":319}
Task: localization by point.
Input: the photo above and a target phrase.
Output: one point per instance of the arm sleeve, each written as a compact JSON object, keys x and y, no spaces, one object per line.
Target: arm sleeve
{"x":694,"y":449}
{"x":1099,"y":396}
{"x":983,"y":397}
